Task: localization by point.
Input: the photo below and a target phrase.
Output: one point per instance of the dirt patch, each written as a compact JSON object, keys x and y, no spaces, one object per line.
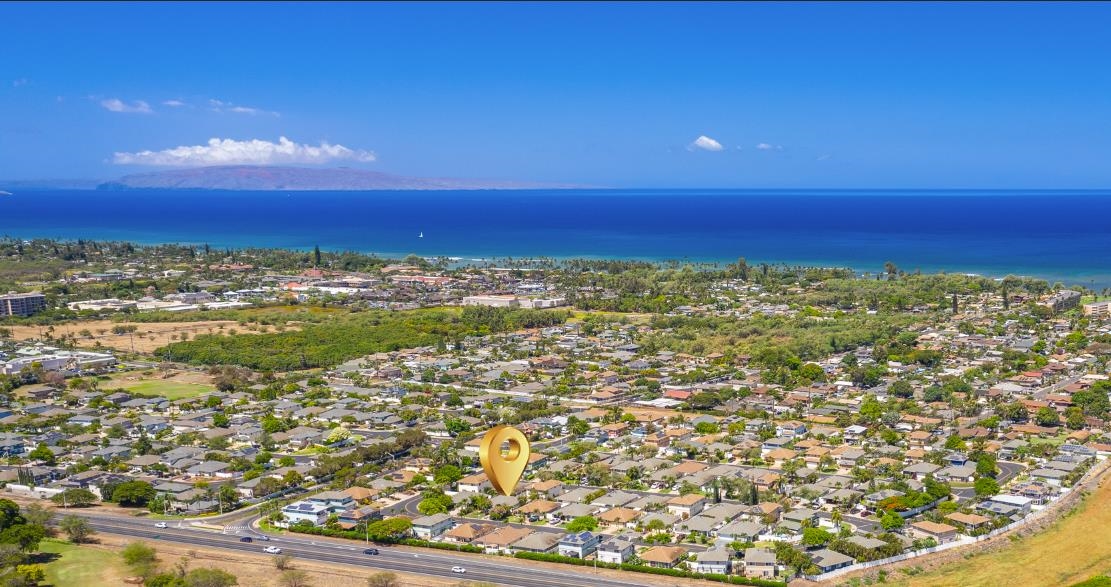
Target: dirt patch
{"x":146,"y":338}
{"x":258,"y":570}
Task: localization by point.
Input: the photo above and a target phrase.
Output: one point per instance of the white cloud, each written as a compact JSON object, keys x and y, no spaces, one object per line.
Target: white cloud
{"x":824,"y":157}
{"x":117,"y":105}
{"x":252,"y":152}
{"x":705,"y":143}
{"x":769,"y":147}
{"x":221,"y":106}
{"x":174,"y":103}
{"x":20,"y":82}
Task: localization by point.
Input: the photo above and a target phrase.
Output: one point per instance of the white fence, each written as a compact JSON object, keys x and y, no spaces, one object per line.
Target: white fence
{"x":28,"y":491}
{"x":967,"y":540}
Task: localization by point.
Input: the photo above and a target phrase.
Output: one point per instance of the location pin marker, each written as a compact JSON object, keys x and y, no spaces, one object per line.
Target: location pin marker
{"x":504,"y":471}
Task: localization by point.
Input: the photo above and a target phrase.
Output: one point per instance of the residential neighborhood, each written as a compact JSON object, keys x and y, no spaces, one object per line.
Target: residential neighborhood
{"x":648,"y":450}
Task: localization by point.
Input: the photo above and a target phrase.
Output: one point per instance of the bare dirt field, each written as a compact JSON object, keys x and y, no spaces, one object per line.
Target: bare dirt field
{"x":146,"y":338}
{"x":258,"y":570}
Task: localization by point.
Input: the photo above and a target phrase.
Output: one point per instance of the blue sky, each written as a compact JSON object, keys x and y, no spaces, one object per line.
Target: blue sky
{"x":786,"y":95}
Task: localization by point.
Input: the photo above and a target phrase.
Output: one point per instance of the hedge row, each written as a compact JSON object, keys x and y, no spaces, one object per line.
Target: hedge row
{"x":357,"y":535}
{"x":732,"y":579}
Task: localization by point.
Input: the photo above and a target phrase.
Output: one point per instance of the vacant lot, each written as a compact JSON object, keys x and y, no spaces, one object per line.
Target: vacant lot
{"x":254,"y":570}
{"x":171,"y":384}
{"x":1076,"y":548}
{"x":80,"y":566}
{"x":146,"y":338}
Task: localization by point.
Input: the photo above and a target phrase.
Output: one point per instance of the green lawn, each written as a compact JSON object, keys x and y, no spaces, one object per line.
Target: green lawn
{"x":79,"y":566}
{"x":169,"y":389}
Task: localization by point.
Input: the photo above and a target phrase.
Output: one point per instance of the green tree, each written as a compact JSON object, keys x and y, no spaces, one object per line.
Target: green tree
{"x":75,"y":497}
{"x":1074,"y":418}
{"x":577,"y":426}
{"x":902,"y":388}
{"x":812,"y":372}
{"x":891,"y":521}
{"x":26,"y":576}
{"x":814,"y":537}
{"x":210,"y":578}
{"x":77,"y":529}
{"x":986,"y":486}
{"x":42,"y":453}
{"x":139,"y":557}
{"x":985,"y":465}
{"x":133,"y":493}
{"x":1047,"y":416}
{"x":25,"y":536}
{"x":582,"y":523}
{"x":9,"y":514}
{"x":447,"y":475}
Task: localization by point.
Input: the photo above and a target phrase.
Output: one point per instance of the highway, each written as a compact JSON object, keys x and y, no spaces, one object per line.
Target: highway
{"x":432,"y":563}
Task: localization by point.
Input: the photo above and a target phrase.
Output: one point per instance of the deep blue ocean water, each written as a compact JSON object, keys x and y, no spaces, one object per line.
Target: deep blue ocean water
{"x":1062,"y":236}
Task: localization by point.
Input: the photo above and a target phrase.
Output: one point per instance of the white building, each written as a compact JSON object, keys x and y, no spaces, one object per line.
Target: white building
{"x":303,"y":511}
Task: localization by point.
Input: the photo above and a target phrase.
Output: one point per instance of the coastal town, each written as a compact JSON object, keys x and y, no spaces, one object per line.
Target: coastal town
{"x":751,"y":422}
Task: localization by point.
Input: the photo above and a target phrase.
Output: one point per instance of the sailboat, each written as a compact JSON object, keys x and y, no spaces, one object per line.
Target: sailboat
{"x":421,"y":235}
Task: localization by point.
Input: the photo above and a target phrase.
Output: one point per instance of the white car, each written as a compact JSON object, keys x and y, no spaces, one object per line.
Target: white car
{"x":160,"y":525}
{"x":458,"y":570}
{"x":272,"y":550}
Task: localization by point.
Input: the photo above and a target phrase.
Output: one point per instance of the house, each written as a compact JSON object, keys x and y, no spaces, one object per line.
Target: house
{"x":686,"y":506}
{"x":429,"y":527}
{"x":740,"y":531}
{"x":303,"y":511}
{"x":958,"y":473}
{"x":715,"y":561}
{"x":539,"y":542}
{"x":1018,"y":503}
{"x":663,"y":557}
{"x":615,"y":551}
{"x":349,"y":519}
{"x":942,"y":533}
{"x":827,"y":560}
{"x":759,"y":562}
{"x":500,"y":540}
{"x":579,"y":545}
{"x":969,"y":521}
{"x":468,"y":532}
{"x":620,"y":516}
{"x":920,"y":471}
{"x":335,"y":501}
{"x":476,"y":483}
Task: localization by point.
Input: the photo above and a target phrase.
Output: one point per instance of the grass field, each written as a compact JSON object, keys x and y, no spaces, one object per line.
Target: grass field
{"x":81,"y":566}
{"x":169,"y":389}
{"x":1075,"y":549}
{"x":172,"y":385}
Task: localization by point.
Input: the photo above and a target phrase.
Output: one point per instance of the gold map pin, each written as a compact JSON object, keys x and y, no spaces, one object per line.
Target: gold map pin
{"x":504,"y":471}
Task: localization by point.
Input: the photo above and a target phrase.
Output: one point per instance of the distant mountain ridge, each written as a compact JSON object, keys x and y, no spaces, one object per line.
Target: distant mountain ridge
{"x":262,"y":178}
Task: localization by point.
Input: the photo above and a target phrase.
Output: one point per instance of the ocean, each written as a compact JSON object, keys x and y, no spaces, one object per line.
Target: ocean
{"x":1056,"y":235}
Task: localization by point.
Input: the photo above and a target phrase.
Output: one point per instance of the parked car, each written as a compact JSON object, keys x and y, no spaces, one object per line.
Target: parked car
{"x":458,"y":570}
{"x":371,"y":551}
{"x":272,"y":550}
{"x":246,"y":539}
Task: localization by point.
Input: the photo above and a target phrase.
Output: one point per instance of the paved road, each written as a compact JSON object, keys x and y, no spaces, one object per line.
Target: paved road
{"x":1007,"y":472}
{"x":515,"y":573}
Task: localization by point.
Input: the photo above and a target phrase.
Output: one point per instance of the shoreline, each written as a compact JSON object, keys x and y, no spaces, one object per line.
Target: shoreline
{"x":456,"y":259}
